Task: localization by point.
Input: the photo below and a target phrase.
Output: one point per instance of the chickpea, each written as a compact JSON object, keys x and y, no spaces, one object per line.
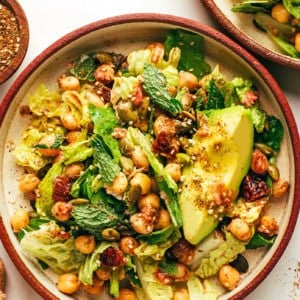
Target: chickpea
{"x":143,"y":180}
{"x":68,"y":120}
{"x":48,"y":141}
{"x":62,"y":211}
{"x":139,"y":158}
{"x":279,"y":188}
{"x":163,"y":123}
{"x":240,"y":229}
{"x":128,"y":244}
{"x":229,"y":277}
{"x":72,"y":136}
{"x":174,"y":170}
{"x":164,"y":219}
{"x":187,"y":79}
{"x":127,"y":294}
{"x":141,"y":224}
{"x":103,"y":273}
{"x":94,"y":289}
{"x":110,"y":234}
{"x":28,"y":183}
{"x":74,"y":170}
{"x":105,"y":73}
{"x":149,"y":200}
{"x":297,"y":41}
{"x":118,"y":186}
{"x":157,"y":51}
{"x":19,"y":220}
{"x":94,"y":99}
{"x":181,"y":294}
{"x":69,"y":83}
{"x":183,"y":273}
{"x":68,"y":283}
{"x":268,"y":226}
{"x":280,"y":13}
{"x":59,"y":157}
{"x":85,"y":244}
{"x":259,"y":162}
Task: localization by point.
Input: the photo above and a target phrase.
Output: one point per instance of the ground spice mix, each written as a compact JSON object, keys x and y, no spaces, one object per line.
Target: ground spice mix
{"x":9,"y":37}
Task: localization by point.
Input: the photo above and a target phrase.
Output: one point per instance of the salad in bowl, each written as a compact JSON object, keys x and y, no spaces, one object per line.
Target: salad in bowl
{"x":149,"y":174}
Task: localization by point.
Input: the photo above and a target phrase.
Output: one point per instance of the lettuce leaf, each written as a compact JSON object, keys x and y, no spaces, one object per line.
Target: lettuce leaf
{"x":199,"y":289}
{"x":91,"y":263}
{"x":45,"y":201}
{"x":59,"y":254}
{"x":138,"y":138}
{"x":225,"y":253}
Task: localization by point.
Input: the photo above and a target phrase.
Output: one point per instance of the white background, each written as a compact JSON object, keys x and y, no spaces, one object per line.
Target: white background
{"x":49,"y":20}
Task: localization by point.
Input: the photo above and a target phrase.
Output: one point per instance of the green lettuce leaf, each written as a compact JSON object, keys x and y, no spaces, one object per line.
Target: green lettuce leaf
{"x":91,"y":263}
{"x":59,"y":254}
{"x":44,"y":201}
{"x":199,"y":289}
{"x":225,"y":253}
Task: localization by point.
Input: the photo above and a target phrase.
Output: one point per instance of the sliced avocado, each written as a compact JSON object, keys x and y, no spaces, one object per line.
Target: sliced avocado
{"x":223,"y":156}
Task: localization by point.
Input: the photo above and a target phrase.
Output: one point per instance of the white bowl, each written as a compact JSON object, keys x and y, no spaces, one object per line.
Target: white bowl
{"x":140,"y":29}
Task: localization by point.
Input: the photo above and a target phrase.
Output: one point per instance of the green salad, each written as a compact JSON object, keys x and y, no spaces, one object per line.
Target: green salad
{"x":280,"y":19}
{"x":148,"y":174}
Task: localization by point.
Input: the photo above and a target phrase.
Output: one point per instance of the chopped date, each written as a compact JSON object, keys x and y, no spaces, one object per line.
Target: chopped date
{"x":254,"y":187}
{"x":182,"y":251}
{"x":165,"y":144}
{"x":62,"y":188}
{"x":112,"y":257}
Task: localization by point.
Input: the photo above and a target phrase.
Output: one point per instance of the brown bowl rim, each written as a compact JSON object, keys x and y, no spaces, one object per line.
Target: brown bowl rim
{"x":20,"y":15}
{"x":189,"y":25}
{"x":247,"y":41}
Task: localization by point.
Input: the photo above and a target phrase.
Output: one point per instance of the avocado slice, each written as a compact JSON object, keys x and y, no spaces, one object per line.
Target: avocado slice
{"x":222,"y":157}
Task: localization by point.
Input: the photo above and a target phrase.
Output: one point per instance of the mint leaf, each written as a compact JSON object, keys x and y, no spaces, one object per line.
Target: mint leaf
{"x":155,"y":85}
{"x":169,"y":268}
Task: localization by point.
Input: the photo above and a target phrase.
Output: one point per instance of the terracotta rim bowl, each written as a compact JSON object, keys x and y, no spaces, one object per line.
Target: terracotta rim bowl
{"x":142,"y":28}
{"x":240,"y":27}
{"x":23,"y":27}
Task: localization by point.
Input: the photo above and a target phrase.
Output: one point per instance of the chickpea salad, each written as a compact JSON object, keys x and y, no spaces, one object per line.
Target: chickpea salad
{"x":279,"y":19}
{"x":147,"y":174}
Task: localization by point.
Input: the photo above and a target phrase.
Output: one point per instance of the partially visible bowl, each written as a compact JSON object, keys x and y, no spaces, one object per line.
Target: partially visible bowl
{"x":141,"y":29}
{"x":14,"y":37}
{"x":240,"y":26}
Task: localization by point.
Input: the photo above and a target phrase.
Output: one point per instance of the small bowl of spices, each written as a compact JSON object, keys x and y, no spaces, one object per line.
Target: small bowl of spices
{"x":14,"y":37}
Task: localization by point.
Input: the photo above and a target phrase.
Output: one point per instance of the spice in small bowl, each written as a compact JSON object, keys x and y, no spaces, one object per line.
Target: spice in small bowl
{"x":14,"y":36}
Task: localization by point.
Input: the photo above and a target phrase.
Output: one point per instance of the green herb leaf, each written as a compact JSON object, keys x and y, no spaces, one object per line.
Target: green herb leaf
{"x":108,"y":168}
{"x":273,"y":135}
{"x":157,"y":236}
{"x":94,"y":218}
{"x":191,"y":46}
{"x":259,"y":241}
{"x":215,"y":99}
{"x":84,"y":66}
{"x":155,"y":85}
{"x":168,"y":267}
{"x":254,"y":6}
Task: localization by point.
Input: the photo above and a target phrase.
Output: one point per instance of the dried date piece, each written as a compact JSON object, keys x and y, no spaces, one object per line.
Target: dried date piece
{"x":254,"y":187}
{"x":62,"y":188}
{"x":112,"y":258}
{"x":165,"y":144}
{"x":182,"y":251}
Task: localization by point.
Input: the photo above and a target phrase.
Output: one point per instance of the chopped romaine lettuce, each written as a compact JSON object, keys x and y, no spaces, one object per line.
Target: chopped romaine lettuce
{"x":138,"y":138}
{"x":200,"y":289}
{"x":44,"y":101}
{"x":152,"y":288}
{"x":293,"y":7}
{"x":91,"y":263}
{"x":258,"y":118}
{"x":225,"y":253}
{"x":46,"y":245}
{"x":44,"y":201}
{"x":254,"y":6}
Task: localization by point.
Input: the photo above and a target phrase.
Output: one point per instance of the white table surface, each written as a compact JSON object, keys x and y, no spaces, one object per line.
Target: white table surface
{"x":49,"y":20}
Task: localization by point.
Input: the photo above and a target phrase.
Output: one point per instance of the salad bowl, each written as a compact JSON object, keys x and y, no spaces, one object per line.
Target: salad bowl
{"x":108,"y":35}
{"x":241,"y":27}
